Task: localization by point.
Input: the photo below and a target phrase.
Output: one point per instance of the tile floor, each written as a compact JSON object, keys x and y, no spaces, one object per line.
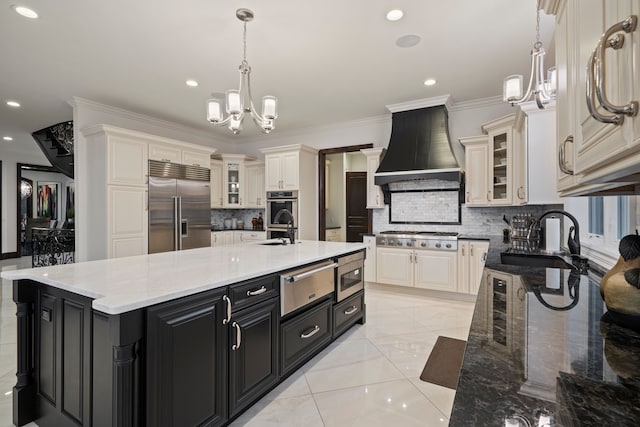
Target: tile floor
{"x":368,"y":377}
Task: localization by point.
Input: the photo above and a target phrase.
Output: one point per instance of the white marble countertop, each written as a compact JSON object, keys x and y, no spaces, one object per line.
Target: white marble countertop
{"x":124,"y":284}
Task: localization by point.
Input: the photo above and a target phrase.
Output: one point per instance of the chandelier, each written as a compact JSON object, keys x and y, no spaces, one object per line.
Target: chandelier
{"x":542,"y":90}
{"x":240,"y":101}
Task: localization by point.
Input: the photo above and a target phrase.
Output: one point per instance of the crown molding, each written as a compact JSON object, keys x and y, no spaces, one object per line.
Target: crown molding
{"x":420,"y":103}
{"x":143,"y":118}
{"x":477,"y":103}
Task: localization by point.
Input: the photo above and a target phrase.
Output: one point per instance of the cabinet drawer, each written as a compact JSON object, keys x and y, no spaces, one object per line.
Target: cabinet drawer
{"x":347,"y":312}
{"x":304,"y":335}
{"x":248,"y":293}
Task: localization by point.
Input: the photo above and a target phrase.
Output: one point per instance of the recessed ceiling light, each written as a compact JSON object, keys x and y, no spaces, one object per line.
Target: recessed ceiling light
{"x":430,"y":82}
{"x":409,"y":40}
{"x":395,"y":15}
{"x":14,"y":104}
{"x":7,"y":138}
{"x":191,"y":83}
{"x":25,"y":11}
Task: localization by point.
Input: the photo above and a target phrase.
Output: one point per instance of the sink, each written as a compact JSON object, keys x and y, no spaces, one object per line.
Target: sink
{"x":274,"y":242}
{"x":535,"y":260}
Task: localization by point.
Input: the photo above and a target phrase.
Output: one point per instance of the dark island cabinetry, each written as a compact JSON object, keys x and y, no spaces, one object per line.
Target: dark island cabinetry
{"x":187,"y":361}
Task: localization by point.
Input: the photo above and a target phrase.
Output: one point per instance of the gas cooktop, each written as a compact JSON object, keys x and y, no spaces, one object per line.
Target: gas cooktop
{"x":440,"y":240}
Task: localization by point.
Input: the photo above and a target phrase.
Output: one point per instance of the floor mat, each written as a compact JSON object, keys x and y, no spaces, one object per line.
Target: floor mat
{"x":444,"y":363}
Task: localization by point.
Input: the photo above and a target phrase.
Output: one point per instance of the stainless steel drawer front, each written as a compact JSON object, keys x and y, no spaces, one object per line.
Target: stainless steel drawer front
{"x":301,"y":287}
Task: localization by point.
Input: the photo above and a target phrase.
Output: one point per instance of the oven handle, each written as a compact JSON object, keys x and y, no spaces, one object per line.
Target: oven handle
{"x":306,"y":274}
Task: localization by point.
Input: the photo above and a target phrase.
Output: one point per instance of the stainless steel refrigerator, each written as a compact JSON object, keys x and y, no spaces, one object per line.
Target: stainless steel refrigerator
{"x":179,"y":207}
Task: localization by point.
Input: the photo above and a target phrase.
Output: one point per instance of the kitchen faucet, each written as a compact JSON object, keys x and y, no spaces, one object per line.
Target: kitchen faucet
{"x":290,"y":229}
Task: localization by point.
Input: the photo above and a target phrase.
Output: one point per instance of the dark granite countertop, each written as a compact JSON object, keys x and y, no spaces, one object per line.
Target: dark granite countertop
{"x":540,"y":338}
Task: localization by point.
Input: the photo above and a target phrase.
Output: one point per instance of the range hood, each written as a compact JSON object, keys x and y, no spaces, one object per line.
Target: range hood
{"x":419,"y":149}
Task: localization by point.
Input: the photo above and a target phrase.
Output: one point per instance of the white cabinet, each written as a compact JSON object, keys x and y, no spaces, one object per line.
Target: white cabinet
{"x":127,"y":221}
{"x":255,"y":192}
{"x":472,"y":255}
{"x":427,"y":269}
{"x":476,"y":170}
{"x":332,"y":235}
{"x":114,"y":219}
{"x":596,"y":149}
{"x":295,"y":167}
{"x":248,"y":236}
{"x":216,"y":238}
{"x":395,"y":266}
{"x":233,"y":181}
{"x":375,"y":197}
{"x":489,"y":164}
{"x":282,"y":171}
{"x":216,"y":184}
{"x":178,"y":154}
{"x":500,"y":138}
{"x":370,"y":274}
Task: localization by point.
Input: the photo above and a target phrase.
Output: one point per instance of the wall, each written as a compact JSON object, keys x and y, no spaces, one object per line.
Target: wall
{"x":26,"y":151}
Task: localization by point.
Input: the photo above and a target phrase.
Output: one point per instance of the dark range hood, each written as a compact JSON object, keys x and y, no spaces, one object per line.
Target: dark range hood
{"x":419,"y":149}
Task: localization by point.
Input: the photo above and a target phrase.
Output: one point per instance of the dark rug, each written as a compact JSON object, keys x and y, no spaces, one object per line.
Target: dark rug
{"x":444,"y":363}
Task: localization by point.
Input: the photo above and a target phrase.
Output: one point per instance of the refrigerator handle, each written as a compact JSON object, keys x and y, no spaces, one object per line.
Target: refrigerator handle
{"x":176,"y":228}
{"x":180,"y":224}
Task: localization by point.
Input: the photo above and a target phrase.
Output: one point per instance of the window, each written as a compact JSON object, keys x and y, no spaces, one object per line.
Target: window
{"x":610,"y":219}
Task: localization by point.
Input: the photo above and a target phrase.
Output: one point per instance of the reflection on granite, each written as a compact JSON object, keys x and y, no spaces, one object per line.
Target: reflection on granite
{"x":537,"y":341}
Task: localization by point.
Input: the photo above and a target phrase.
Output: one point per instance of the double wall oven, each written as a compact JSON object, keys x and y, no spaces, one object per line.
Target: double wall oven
{"x":282,"y":213}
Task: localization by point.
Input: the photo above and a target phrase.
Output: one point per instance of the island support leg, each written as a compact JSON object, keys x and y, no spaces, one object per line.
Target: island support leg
{"x":24,"y":392}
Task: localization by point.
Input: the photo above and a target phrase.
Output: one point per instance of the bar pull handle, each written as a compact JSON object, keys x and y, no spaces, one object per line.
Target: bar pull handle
{"x":228,"y":301}
{"x":236,"y":346}
{"x":311,"y":333}
{"x":260,"y":291}
{"x":351,"y":310}
{"x":308,"y":273}
{"x":176,"y":223}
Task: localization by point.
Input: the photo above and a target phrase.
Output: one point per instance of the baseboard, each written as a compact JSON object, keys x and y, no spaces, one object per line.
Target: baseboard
{"x":8,"y":255}
{"x":406,"y":290}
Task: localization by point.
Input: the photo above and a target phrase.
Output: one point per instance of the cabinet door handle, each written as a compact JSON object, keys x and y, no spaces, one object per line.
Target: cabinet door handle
{"x":462,"y":248}
{"x":470,"y":250}
{"x":238,"y":336}
{"x":260,"y":291}
{"x":311,"y":333}
{"x":484,"y":257}
{"x":615,"y":42}
{"x":562,"y":162}
{"x":521,"y":193}
{"x":228,"y":301}
{"x":467,"y":197}
{"x":351,"y":310}
{"x":488,"y":196}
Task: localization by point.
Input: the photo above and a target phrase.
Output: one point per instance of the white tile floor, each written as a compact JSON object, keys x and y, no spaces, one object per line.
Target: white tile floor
{"x":369,"y":377}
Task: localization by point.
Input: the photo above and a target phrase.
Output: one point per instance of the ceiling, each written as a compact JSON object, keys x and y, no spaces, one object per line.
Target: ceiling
{"x":326,"y":61}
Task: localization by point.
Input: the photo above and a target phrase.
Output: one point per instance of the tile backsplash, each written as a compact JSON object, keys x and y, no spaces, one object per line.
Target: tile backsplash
{"x":219,"y":215}
{"x":475,"y":221}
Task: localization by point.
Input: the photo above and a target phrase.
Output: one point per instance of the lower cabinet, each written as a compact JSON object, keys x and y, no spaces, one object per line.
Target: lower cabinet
{"x":186,"y":372}
{"x":304,"y":334}
{"x":253,"y":359}
{"x":348,"y":312}
{"x":425,"y":269}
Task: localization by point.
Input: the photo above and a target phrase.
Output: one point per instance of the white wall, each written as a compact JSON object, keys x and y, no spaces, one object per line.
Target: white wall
{"x":26,"y":151}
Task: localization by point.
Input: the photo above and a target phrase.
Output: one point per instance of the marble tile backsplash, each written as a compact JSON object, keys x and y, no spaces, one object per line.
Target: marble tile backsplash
{"x":219,"y":215}
{"x":475,"y":221}
{"x":425,"y":206}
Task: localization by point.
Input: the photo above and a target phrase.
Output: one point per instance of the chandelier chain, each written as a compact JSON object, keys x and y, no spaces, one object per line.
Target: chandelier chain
{"x":244,"y":41}
{"x":538,"y":42}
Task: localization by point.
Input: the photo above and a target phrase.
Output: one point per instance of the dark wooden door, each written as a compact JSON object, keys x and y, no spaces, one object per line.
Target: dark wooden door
{"x":358,"y":216}
{"x":253,"y":365}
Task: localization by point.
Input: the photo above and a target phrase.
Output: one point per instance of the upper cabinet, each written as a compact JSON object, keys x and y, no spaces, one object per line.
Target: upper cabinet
{"x":233,"y":180}
{"x":598,"y":138}
{"x":295,"y":167}
{"x":177,"y":154}
{"x":375,"y":198}
{"x":502,"y":168}
{"x":216,"y":184}
{"x":281,"y":171}
{"x":255,"y":185}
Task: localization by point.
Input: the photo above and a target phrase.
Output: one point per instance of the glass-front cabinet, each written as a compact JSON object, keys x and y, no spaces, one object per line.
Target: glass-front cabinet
{"x":500,"y":134}
{"x":233,"y":180}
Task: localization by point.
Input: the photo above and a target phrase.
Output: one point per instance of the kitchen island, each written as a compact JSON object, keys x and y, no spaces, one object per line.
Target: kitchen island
{"x":541,"y":345}
{"x":179,"y":338}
